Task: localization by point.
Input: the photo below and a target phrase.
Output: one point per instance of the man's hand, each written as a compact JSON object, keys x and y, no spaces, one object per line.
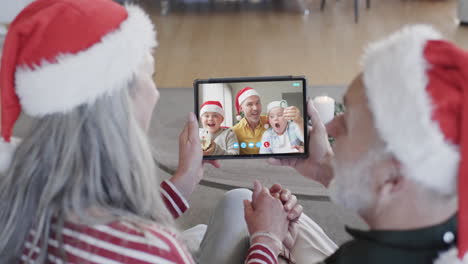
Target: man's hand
{"x":292,"y":113}
{"x":294,"y":210}
{"x":266,"y":214}
{"x":190,"y":169}
{"x":317,"y":166}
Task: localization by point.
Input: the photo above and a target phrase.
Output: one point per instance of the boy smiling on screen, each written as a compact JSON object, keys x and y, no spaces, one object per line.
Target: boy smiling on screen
{"x":216,"y":140}
{"x":285,"y":135}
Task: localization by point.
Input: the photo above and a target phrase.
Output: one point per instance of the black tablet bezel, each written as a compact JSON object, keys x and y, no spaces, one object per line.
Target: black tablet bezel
{"x":305,"y":154}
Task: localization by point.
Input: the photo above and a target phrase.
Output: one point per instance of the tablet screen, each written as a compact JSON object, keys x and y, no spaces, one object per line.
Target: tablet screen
{"x":251,"y":117}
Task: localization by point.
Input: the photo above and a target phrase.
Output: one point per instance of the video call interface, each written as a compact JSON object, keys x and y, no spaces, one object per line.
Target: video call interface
{"x":251,"y":118}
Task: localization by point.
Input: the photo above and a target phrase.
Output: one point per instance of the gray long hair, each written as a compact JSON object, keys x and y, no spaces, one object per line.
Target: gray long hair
{"x":93,"y":157}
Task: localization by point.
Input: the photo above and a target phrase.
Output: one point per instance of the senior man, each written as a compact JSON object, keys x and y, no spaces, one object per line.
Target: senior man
{"x":400,"y":154}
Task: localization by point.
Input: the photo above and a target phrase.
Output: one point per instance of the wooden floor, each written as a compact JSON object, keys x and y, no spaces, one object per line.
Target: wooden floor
{"x":324,"y":46}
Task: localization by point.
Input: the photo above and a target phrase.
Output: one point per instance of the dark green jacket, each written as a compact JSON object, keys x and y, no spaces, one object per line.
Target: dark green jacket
{"x":397,"y":247}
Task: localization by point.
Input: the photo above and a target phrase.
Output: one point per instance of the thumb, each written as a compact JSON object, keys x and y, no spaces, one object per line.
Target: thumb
{"x":183,"y":135}
{"x":248,"y":209}
{"x":313,"y":113}
{"x":273,"y":161}
{"x":214,"y":163}
{"x":192,"y":128}
{"x":334,"y":128}
{"x":256,"y":190}
{"x":275,"y":188}
{"x":280,"y":162}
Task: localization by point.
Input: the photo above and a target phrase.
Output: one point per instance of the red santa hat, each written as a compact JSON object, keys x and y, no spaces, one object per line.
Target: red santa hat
{"x":59,"y":54}
{"x":241,"y":96}
{"x":212,"y":106}
{"x":417,"y":87}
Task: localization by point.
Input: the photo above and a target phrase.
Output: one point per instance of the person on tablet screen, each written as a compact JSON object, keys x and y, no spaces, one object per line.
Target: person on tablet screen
{"x":252,"y":124}
{"x":215,"y":139}
{"x":283,"y":136}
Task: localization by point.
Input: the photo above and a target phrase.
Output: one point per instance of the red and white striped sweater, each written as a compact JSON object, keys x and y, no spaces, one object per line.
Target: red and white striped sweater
{"x":123,"y":242}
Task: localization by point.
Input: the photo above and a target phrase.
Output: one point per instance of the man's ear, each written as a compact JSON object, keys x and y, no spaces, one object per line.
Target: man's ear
{"x":389,"y":180}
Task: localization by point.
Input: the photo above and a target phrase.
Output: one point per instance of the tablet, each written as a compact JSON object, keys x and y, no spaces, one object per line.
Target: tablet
{"x":253,"y":117}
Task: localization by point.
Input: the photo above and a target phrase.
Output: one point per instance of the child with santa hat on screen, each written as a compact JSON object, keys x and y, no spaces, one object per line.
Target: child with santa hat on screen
{"x":283,"y":136}
{"x":215,"y":139}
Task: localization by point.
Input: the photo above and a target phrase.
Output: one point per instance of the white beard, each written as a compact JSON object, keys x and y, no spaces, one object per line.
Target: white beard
{"x":351,"y":186}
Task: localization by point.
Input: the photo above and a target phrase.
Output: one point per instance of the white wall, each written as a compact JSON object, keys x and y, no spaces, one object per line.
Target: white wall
{"x":463,"y":10}
{"x":10,"y":8}
{"x":3,"y":31}
{"x":218,"y":92}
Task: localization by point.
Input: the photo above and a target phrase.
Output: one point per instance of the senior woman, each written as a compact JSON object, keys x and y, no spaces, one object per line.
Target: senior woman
{"x":81,"y":187}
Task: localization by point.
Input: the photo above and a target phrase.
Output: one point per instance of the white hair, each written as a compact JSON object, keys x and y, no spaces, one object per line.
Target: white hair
{"x":94,"y":157}
{"x":351,"y":186}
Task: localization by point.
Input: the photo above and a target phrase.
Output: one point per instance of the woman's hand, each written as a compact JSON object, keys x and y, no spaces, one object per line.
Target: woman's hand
{"x":190,"y":169}
{"x":266,"y":214}
{"x":317,"y":166}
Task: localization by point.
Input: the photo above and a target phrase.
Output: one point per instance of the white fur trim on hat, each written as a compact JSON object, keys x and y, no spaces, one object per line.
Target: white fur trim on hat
{"x":274,"y":104}
{"x":451,"y":257}
{"x":7,"y":150}
{"x":246,"y":95}
{"x":211,"y":108}
{"x":103,"y":68}
{"x":395,"y":81}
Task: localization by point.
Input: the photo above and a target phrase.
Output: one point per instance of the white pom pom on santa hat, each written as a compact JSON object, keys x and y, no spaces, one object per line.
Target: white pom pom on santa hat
{"x":418,"y":83}
{"x":42,"y":63}
{"x":274,"y":104}
{"x":451,"y":257}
